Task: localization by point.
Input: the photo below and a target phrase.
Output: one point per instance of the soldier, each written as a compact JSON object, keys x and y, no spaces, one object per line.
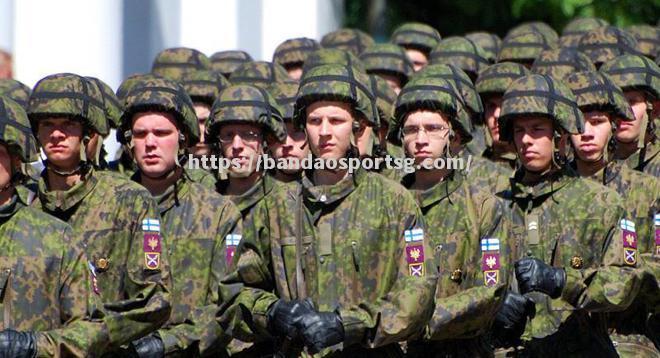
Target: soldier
{"x":351,"y":40}
{"x":648,"y":39}
{"x":573,"y":31}
{"x":637,"y":141}
{"x":601,"y":101}
{"x":418,"y":40}
{"x":295,"y":147}
{"x":489,"y":42}
{"x":226,"y":62}
{"x":604,"y":43}
{"x":459,"y":216}
{"x":524,"y":47}
{"x":561,"y":62}
{"x":390,"y":63}
{"x":202,"y":227}
{"x":44,"y":276}
{"x":173,"y":63}
{"x":113,"y":110}
{"x":572,"y":249}
{"x":291,"y":54}
{"x":367,"y":275}
{"x":385,"y":99}
{"x":113,"y":218}
{"x":259,"y":74}
{"x":462,"y":53}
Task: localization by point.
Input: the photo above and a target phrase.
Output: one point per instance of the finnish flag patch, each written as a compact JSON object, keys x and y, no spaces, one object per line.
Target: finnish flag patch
{"x":151,"y":225}
{"x":413,"y":235}
{"x":490,"y":244}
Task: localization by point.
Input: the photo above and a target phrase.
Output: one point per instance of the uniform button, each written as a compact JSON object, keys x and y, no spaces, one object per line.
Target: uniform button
{"x":576,"y":262}
{"x":322,"y":259}
{"x":102,"y":264}
{"x":456,"y":275}
{"x":323,"y":198}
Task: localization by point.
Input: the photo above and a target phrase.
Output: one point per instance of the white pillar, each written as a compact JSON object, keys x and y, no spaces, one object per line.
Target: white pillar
{"x":7,"y":25}
{"x":209,"y":25}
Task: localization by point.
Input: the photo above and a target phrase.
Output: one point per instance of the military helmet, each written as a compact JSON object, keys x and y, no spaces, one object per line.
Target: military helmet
{"x":462,"y":53}
{"x":634,"y":72}
{"x":351,"y":40}
{"x":416,"y":35}
{"x":17,"y":91}
{"x":648,"y":39}
{"x":173,"y":63}
{"x":498,"y":77}
{"x":226,"y":62}
{"x":523,"y":47}
{"x":561,"y":62}
{"x":540,"y":95}
{"x":460,"y":81}
{"x":259,"y":73}
{"x":389,"y":59}
{"x":129,"y":83}
{"x":574,"y":30}
{"x":160,"y":95}
{"x":294,"y":51}
{"x":385,"y":99}
{"x":15,"y":131}
{"x":550,"y":35}
{"x":596,"y":91}
{"x":113,"y":109}
{"x":605,"y":43}
{"x":489,"y":42}
{"x":336,"y":83}
{"x":434,"y":94}
{"x":245,"y":104}
{"x":330,"y":56}
{"x":284,"y":94}
{"x":72,"y":96}
{"x":204,"y":86}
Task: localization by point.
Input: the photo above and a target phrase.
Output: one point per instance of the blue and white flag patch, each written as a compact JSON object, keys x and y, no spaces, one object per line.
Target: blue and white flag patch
{"x":490,"y":244}
{"x":151,"y":225}
{"x":628,"y":225}
{"x":233,"y":239}
{"x":414,"y":235}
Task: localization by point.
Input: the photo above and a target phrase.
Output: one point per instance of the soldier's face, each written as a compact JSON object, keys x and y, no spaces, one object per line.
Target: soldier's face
{"x":60,"y":139}
{"x":418,"y":58}
{"x":392,"y":80}
{"x":364,"y":134}
{"x":155,"y":143}
{"x":493,"y":105}
{"x":329,"y":125}
{"x":590,"y":145}
{"x":5,"y":166}
{"x":294,"y":71}
{"x":242,"y":144}
{"x":532,"y":137}
{"x":629,"y":131}
{"x":294,"y":148}
{"x":425,"y":135}
{"x":202,"y":110}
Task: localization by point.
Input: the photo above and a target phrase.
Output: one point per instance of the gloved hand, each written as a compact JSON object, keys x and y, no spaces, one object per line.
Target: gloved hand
{"x":535,"y":275}
{"x":320,"y":330}
{"x":17,"y":344}
{"x":511,"y":319}
{"x":150,"y":346}
{"x":282,"y":316}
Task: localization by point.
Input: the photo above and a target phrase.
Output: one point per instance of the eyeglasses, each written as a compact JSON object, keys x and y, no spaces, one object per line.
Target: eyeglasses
{"x":432,"y":130}
{"x":246,"y":136}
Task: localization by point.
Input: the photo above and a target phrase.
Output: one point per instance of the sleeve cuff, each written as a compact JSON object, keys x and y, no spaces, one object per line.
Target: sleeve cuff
{"x":354,"y":328}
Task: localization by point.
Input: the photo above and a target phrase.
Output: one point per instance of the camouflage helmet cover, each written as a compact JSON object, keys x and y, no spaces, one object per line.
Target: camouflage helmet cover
{"x":129,"y":83}
{"x":596,"y":91}
{"x":173,"y":63}
{"x":259,"y":73}
{"x":561,"y":62}
{"x":385,"y":99}
{"x":284,"y":94}
{"x":15,"y":90}
{"x":605,"y":43}
{"x":634,"y":72}
{"x":226,"y":62}
{"x":329,"y":56}
{"x":294,"y":51}
{"x":416,"y":35}
{"x":387,"y":58}
{"x":15,"y":130}
{"x":351,"y":40}
{"x":204,"y":86}
{"x":113,"y":108}
{"x":489,"y":42}
{"x":523,"y":47}
{"x":462,"y":53}
{"x":498,"y":77}
{"x":648,"y":39}
{"x":540,"y":27}
{"x":460,"y":80}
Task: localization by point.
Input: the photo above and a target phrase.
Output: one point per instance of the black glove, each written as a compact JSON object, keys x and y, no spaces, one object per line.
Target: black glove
{"x":150,"y":346}
{"x":320,"y":330}
{"x":535,"y":275}
{"x":511,"y":319}
{"x":17,"y":344}
{"x":282,"y":316}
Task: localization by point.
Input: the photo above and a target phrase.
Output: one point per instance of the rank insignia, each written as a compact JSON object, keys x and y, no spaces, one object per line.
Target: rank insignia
{"x":152,"y":260}
{"x":491,"y":277}
{"x":577,"y":262}
{"x":413,"y":235}
{"x":415,"y":254}
{"x":416,"y":269}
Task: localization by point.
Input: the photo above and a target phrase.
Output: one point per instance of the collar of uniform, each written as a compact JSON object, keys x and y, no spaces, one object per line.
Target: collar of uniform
{"x":8,"y":210}
{"x":329,"y":194}
{"x":442,"y":190}
{"x":549,"y":185}
{"x":251,"y":197}
{"x":63,"y":200}
{"x":171,"y":196}
{"x":507,"y":159}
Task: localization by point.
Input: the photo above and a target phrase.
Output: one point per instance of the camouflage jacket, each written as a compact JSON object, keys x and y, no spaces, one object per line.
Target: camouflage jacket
{"x":116,"y":221}
{"x":361,"y":249}
{"x":486,"y":173}
{"x":581,"y":226}
{"x":650,"y":163}
{"x":247,"y":201}
{"x":458,"y":216}
{"x":44,"y":282}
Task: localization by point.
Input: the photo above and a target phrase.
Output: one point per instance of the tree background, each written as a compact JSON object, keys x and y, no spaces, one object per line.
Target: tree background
{"x":458,"y":17}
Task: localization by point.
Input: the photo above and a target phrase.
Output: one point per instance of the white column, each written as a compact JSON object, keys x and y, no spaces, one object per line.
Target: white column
{"x":209,"y":25}
{"x":7,"y":25}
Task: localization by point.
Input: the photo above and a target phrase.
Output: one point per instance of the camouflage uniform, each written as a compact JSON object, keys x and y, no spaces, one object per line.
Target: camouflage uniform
{"x":294,"y":52}
{"x":632,"y":72}
{"x":462,"y":53}
{"x":458,"y":216}
{"x":648,"y":39}
{"x":561,"y":62}
{"x":226,"y":62}
{"x":573,"y":31}
{"x":113,"y":219}
{"x":569,"y":223}
{"x":202,"y":229}
{"x":173,"y":63}
{"x":370,"y":269}
{"x":259,"y":73}
{"x":489,"y":42}
{"x":351,"y":40}
{"x":605,"y":43}
{"x":524,"y":47}
{"x":417,"y":36}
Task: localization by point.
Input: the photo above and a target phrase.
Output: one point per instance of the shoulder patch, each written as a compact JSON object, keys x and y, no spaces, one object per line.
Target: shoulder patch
{"x":413,"y":235}
{"x":231,"y":242}
{"x":151,"y":225}
{"x":629,"y":238}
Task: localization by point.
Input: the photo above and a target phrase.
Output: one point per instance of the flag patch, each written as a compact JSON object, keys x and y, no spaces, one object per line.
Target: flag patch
{"x":413,"y":235}
{"x":490,"y":244}
{"x":627,"y":225}
{"x":151,"y":225}
{"x":233,"y":239}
